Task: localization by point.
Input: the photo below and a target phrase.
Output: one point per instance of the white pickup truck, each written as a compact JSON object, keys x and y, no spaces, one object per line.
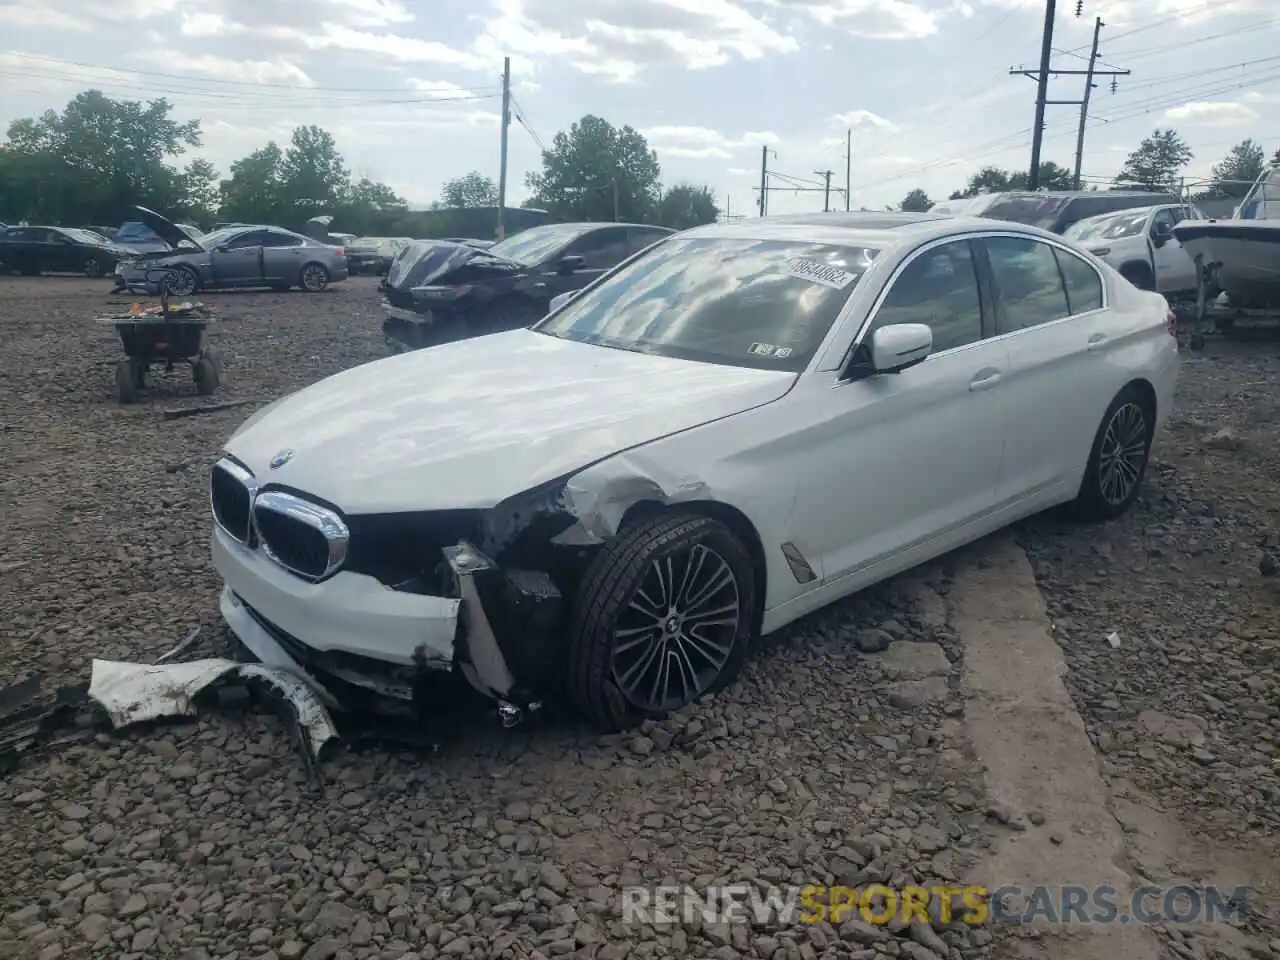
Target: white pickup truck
{"x":1139,"y":242}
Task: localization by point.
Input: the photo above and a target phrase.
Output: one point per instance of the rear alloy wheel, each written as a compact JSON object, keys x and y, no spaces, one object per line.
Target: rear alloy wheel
{"x":313,"y":278}
{"x":662,"y":617}
{"x":92,"y":268}
{"x":182,"y":281}
{"x":1118,"y":460}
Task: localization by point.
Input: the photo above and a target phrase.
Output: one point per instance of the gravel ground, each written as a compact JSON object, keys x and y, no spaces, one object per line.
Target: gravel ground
{"x":1187,"y":707}
{"x":823,"y":764}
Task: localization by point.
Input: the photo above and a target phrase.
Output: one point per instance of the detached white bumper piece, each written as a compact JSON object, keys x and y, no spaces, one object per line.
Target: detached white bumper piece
{"x":137,"y":692}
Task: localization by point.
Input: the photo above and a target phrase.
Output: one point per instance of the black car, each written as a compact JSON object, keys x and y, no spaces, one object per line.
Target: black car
{"x":32,"y":251}
{"x":1055,"y":211}
{"x":438,"y":291}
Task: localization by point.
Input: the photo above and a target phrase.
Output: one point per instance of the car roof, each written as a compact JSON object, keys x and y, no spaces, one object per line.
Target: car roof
{"x":876,"y":231}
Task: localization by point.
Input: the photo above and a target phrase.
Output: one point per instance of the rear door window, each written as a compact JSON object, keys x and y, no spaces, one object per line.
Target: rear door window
{"x":253,"y":238}
{"x":640,"y":239}
{"x":600,"y":249}
{"x":938,"y":288}
{"x":1082,"y":283}
{"x":1028,"y":285}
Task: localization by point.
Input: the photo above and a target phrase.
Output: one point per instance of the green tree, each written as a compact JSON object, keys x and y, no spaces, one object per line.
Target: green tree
{"x":1238,"y":171}
{"x":254,"y":191}
{"x":596,"y":171}
{"x":1157,"y":162}
{"x":92,"y":161}
{"x":197,"y":188}
{"x":313,"y":176}
{"x":997,"y":180}
{"x":472,"y":189}
{"x":686,"y":205}
{"x":917,"y":201}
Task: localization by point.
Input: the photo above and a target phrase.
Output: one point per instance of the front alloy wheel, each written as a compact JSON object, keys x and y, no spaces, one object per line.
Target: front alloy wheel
{"x":678,"y":631}
{"x":92,"y":268}
{"x":1118,"y":460}
{"x":662,"y":617}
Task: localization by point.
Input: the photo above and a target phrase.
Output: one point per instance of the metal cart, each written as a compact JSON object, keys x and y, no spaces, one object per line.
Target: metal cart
{"x":169,"y":334}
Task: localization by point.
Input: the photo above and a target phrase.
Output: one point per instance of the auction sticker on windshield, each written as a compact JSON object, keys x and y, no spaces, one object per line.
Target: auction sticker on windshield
{"x":822,"y":273}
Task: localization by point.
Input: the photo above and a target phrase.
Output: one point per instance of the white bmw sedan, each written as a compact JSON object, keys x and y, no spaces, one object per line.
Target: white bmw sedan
{"x":727,"y":431}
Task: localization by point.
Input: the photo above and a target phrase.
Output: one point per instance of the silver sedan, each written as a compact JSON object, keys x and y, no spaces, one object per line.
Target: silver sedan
{"x":241,"y":257}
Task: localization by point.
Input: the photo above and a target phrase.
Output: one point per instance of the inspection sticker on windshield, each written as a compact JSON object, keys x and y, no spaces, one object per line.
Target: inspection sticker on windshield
{"x":769,"y":350}
{"x":822,"y":273}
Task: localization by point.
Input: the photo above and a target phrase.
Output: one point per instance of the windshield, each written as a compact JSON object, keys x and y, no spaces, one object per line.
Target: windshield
{"x":85,"y":236}
{"x":1032,"y":209}
{"x":766,"y":304}
{"x":1115,"y":227}
{"x":537,"y":243}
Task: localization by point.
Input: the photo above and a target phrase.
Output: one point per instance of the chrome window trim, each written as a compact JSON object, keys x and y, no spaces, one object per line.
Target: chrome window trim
{"x":324,"y":521}
{"x":250,"y":484}
{"x":969,"y":236}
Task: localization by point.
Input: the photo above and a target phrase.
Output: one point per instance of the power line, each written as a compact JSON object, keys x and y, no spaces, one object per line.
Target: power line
{"x":244,"y":98}
{"x":218,"y":80}
{"x":524,"y":122}
{"x":986,"y":149}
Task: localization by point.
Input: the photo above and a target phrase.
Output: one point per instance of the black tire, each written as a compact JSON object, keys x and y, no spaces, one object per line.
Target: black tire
{"x":313,"y":277}
{"x":216,"y":359}
{"x":126,"y":381}
{"x":614,"y":582}
{"x":182,"y":281}
{"x":92,"y":268}
{"x":1128,"y":424}
{"x":205,"y":373}
{"x":1139,"y":274}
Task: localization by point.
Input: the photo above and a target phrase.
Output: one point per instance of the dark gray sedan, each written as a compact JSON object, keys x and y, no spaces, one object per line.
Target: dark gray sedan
{"x":243,"y":256}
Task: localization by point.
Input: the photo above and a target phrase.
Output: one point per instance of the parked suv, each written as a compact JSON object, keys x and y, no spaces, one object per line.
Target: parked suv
{"x":1141,"y":245}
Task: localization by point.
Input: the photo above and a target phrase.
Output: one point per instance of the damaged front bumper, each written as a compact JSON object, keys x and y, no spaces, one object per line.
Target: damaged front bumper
{"x":363,"y":645}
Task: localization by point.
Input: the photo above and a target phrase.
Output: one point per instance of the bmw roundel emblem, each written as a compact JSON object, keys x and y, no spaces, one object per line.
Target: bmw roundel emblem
{"x":281,"y":458}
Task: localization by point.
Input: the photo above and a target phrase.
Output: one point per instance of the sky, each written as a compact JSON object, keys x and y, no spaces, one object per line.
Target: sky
{"x":410,"y":88}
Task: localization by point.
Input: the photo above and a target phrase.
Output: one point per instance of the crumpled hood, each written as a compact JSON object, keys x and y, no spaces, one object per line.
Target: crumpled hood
{"x":470,"y":423}
{"x":430,"y":261}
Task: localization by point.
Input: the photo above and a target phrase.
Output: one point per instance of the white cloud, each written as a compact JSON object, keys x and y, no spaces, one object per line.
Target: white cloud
{"x":332,"y":36}
{"x":222,"y":68}
{"x":872,"y":19}
{"x":437,"y":88}
{"x":32,"y":17}
{"x":1213,"y":113}
{"x":703,"y":143}
{"x":859,"y":119}
{"x":621,"y":39}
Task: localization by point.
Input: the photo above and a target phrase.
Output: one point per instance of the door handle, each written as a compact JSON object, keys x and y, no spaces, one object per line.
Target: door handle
{"x":984,"y":379}
{"x":1096,"y":341}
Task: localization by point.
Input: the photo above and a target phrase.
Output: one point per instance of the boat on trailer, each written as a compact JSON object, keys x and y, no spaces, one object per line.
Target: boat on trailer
{"x":1243,"y":253}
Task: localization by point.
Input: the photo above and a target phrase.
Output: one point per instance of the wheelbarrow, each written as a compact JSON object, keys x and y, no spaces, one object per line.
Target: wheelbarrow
{"x":170,"y":334}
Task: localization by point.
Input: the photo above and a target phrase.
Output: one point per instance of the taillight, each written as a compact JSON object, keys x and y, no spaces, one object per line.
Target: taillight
{"x":340,"y":252}
{"x":1171,"y":322}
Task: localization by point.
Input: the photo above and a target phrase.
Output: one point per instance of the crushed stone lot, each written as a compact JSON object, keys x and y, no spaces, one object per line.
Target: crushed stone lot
{"x":839,"y":757}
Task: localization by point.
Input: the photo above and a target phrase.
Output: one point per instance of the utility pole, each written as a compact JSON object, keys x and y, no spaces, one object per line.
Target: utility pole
{"x":1084,"y":100}
{"x":502,"y":170}
{"x":764,"y":179}
{"x":1042,"y":91}
{"x":826,"y":189}
{"x":1041,"y":76}
{"x":848,"y":168}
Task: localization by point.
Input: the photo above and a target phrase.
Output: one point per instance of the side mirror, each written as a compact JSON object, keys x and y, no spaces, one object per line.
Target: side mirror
{"x":570,"y":264}
{"x":898,"y":346}
{"x":560,"y":300}
{"x":1161,"y":233}
{"x":891,"y":349}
